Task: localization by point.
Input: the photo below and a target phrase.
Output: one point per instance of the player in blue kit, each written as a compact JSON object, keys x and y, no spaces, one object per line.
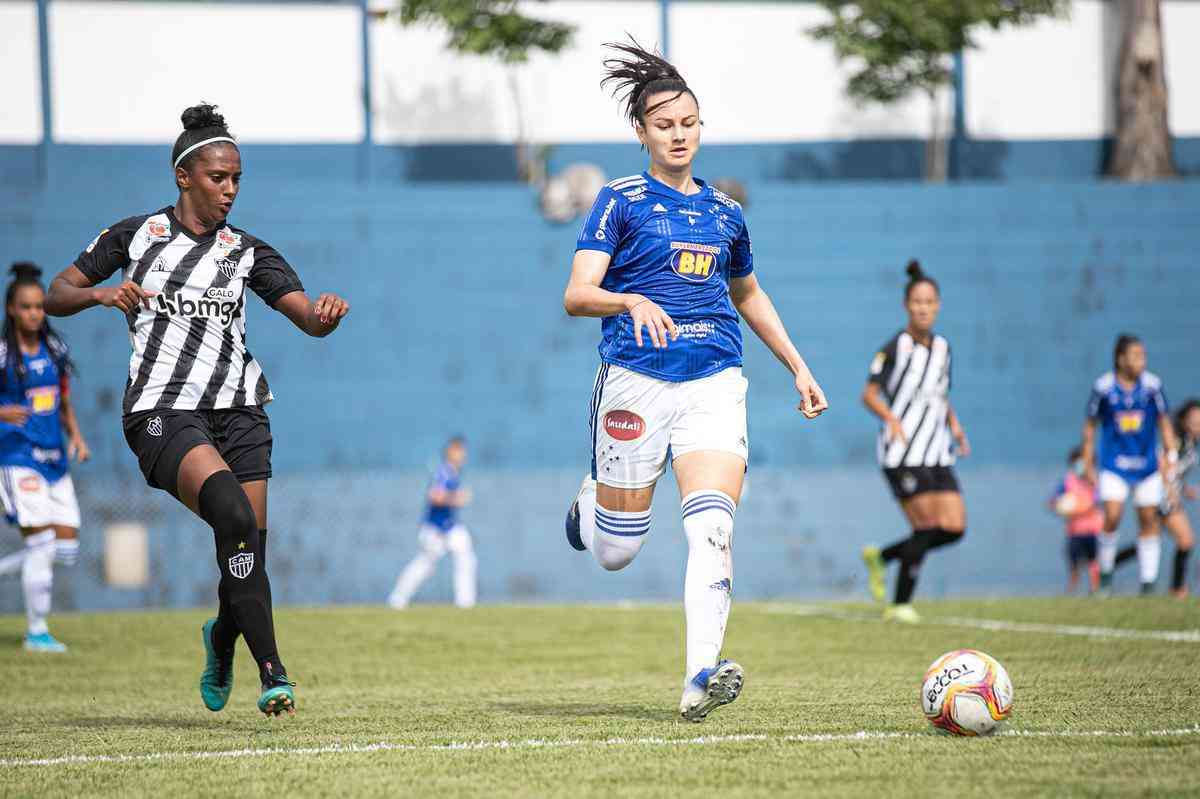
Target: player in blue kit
{"x":442,"y":532}
{"x":1130,"y":409}
{"x":35,"y":489}
{"x":665,"y":260}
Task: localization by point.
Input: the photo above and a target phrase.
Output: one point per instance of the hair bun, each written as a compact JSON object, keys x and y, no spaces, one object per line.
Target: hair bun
{"x":25,"y":269}
{"x":914,"y":270}
{"x":202,"y":116}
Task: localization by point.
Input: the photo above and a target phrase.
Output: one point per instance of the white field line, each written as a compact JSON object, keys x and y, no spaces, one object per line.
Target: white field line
{"x":572,"y":743}
{"x":1175,"y":636}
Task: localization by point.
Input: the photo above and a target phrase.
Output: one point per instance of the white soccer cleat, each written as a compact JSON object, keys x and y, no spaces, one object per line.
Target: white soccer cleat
{"x":710,"y":689}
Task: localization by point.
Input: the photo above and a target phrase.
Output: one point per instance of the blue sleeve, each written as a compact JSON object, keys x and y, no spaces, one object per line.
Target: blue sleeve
{"x":605,"y":223}
{"x":1160,"y":400}
{"x":1095,"y":405}
{"x":741,"y":261}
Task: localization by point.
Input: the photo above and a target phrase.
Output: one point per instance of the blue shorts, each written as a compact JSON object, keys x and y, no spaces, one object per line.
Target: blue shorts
{"x":1081,"y":549}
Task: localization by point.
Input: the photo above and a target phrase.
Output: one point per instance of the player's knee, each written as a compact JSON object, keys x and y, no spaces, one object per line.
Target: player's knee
{"x":619,"y":537}
{"x":616,"y":555}
{"x":708,"y":519}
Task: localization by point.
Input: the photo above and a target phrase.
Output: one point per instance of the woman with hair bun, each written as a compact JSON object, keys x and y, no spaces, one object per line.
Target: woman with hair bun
{"x":664,"y":259}
{"x":193,"y":407}
{"x":908,"y":388}
{"x":36,"y":490}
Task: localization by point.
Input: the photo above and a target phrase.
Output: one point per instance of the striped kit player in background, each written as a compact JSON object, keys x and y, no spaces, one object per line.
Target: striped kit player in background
{"x":909,"y":390}
{"x":193,"y":409}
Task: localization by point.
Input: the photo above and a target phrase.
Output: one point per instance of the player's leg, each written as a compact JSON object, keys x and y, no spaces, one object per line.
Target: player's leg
{"x":431,"y":547}
{"x":27,"y":505}
{"x":907,"y":488}
{"x":1113,"y":491}
{"x":458,"y":541}
{"x":1147,"y":497}
{"x":1073,"y":564}
{"x":65,"y":509}
{"x":1180,"y":528}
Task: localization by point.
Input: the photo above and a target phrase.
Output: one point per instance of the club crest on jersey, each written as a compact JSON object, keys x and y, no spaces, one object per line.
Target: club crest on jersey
{"x":160,"y":265}
{"x":227,"y":267}
{"x":693,"y":262}
{"x":158,"y":231}
{"x":154,"y":427}
{"x":624,"y":425}
{"x":241,"y":564}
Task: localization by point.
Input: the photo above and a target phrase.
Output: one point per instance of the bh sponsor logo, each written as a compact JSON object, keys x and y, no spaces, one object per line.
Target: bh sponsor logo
{"x":624,"y":425}
{"x":1129,"y":421}
{"x":205,"y":308}
{"x":600,"y":232}
{"x":693,"y":262}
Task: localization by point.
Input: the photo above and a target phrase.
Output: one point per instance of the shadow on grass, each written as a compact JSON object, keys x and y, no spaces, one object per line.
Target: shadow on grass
{"x":583,"y":710}
{"x":134,"y":723}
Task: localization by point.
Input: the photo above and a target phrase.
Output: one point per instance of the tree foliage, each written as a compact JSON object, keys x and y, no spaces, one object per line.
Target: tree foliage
{"x":901,"y":46}
{"x":487,"y":27}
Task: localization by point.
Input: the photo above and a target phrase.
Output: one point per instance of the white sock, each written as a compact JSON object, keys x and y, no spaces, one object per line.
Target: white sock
{"x":11,"y":564}
{"x":587,"y":512}
{"x":37,"y":579}
{"x":1108,"y":552}
{"x":1149,"y":551}
{"x":415,"y":573}
{"x":66,"y":551}
{"x":619,"y":536}
{"x":708,"y":584}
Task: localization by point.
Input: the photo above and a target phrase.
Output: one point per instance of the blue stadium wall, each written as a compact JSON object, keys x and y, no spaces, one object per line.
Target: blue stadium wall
{"x":457,"y":326}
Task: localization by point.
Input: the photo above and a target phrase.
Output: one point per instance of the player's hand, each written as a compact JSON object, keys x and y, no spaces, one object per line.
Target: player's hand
{"x":1089,"y":473}
{"x":964,"y":445}
{"x":330,"y":308}
{"x":463,"y":497}
{"x":125,"y":297}
{"x":895,"y":431}
{"x":646,"y":313}
{"x":812,"y":398}
{"x":14,"y":414}
{"x":77,"y":449}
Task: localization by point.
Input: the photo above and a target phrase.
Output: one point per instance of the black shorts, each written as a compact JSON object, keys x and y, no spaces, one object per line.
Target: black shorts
{"x":908,"y":481}
{"x":1081,"y":549}
{"x":161,"y":439}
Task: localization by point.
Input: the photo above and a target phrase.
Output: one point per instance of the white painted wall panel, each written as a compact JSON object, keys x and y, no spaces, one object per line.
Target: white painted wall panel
{"x":123,"y":72}
{"x":21,"y":85}
{"x":1181,"y":45}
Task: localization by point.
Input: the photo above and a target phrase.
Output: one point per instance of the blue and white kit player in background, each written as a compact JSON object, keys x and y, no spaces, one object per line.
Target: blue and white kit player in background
{"x":442,"y":532}
{"x":1129,"y":407}
{"x":665,"y":259}
{"x":36,"y":490}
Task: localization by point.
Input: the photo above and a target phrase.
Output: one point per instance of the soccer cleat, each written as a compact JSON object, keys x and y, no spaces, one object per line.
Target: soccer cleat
{"x":710,"y":689}
{"x":572,"y":523}
{"x":217,"y":679}
{"x":43,"y":642}
{"x":1147,"y":589}
{"x":876,"y":572}
{"x":905,"y":614}
{"x":277,"y":696}
{"x":1180,"y":593}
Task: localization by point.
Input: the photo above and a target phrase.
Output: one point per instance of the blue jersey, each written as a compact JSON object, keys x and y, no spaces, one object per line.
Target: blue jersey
{"x":679,"y":251}
{"x":37,"y":444}
{"x":1128,"y":421}
{"x":443,"y":517}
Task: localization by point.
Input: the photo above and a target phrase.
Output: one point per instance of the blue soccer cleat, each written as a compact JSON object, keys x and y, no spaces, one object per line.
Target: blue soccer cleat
{"x":217,"y":679}
{"x":43,"y":642}
{"x":710,"y":689}
{"x":277,"y":696}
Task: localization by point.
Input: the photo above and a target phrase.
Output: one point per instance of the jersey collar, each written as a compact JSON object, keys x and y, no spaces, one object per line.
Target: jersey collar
{"x":659,"y":186}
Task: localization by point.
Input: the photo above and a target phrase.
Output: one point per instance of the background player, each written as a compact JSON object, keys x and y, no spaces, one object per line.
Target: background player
{"x":35,"y":406}
{"x":442,"y":532}
{"x":665,"y":259}
{"x":1172,"y":511}
{"x":1130,"y":409}
{"x":193,"y":403}
{"x":1076,"y":500}
{"x":909,"y":390}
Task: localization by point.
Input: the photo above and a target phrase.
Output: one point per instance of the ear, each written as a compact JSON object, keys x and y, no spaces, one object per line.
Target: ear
{"x":182,"y":178}
{"x":640,"y":130}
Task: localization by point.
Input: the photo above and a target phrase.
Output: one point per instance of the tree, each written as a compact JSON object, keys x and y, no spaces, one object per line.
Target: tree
{"x":495,"y":29}
{"x":905,"y":46}
{"x":1142,"y":150}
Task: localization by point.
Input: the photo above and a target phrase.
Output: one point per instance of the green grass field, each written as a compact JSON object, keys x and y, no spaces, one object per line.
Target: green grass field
{"x":580,"y":701}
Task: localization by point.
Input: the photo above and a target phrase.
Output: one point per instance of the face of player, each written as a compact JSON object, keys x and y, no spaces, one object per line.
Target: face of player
{"x":922,"y":304}
{"x":1132,"y":362}
{"x":26,"y":310}
{"x":212,"y":183}
{"x":671,"y":133}
{"x":1191,"y":423}
{"x":456,"y":454}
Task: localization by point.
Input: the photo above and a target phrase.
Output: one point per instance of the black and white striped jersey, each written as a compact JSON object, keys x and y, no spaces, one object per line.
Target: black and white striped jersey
{"x":914,"y":381}
{"x":189,"y":346}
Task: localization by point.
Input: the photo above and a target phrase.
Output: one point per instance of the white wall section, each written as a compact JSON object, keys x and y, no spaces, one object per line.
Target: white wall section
{"x":20,"y":95}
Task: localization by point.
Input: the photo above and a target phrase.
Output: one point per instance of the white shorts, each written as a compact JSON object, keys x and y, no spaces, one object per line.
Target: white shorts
{"x":636,"y":419}
{"x":1147,"y":493}
{"x":436,"y":542}
{"x":31,"y":501}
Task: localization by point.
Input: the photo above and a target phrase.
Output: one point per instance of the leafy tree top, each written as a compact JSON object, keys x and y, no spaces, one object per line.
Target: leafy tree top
{"x":487,"y":27}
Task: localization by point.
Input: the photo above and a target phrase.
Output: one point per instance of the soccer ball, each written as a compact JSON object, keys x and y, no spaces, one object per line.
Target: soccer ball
{"x":966,"y":693}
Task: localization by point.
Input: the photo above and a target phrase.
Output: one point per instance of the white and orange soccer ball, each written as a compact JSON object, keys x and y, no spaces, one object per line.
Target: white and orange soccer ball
{"x":966,"y":692}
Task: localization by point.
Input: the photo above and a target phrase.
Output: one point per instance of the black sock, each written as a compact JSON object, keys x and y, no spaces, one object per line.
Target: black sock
{"x":1179,"y":579}
{"x":223,"y":504}
{"x":225,"y":632}
{"x":1125,"y":554}
{"x":262,"y":553}
{"x":910,"y":564}
{"x":893,"y":551}
{"x":943,"y":538}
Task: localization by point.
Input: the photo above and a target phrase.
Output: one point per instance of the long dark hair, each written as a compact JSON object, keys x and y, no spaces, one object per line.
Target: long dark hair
{"x":640,"y":74}
{"x":1181,"y":413}
{"x":917,"y":276}
{"x":26,"y":273}
{"x":1124,"y":342}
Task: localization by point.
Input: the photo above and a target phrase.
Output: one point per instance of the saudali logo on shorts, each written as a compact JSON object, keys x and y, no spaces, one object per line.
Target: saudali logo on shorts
{"x":624,"y":425}
{"x":694,"y":262}
{"x":154,"y":427}
{"x":31,"y":484}
{"x":241,"y":564}
{"x":1129,"y":421}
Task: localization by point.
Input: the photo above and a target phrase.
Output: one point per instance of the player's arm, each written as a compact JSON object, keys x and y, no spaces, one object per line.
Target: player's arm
{"x":756,"y":308}
{"x":956,"y":430}
{"x":1088,"y":449}
{"x":872,"y":398}
{"x":585,"y":297}
{"x":1170,"y":447}
{"x":443,"y":497}
{"x":77,"y":447}
{"x":317,"y":318}
{"x":71,"y":291}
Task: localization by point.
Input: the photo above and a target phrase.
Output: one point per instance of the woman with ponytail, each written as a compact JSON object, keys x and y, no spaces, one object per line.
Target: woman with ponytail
{"x":908,"y":388}
{"x":664,"y":260}
{"x":193,"y":409}
{"x":36,"y":490}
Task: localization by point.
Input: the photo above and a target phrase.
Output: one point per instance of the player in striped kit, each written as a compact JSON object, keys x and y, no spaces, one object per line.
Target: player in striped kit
{"x":909,"y":390}
{"x":193,"y":408}
{"x":665,"y":260}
